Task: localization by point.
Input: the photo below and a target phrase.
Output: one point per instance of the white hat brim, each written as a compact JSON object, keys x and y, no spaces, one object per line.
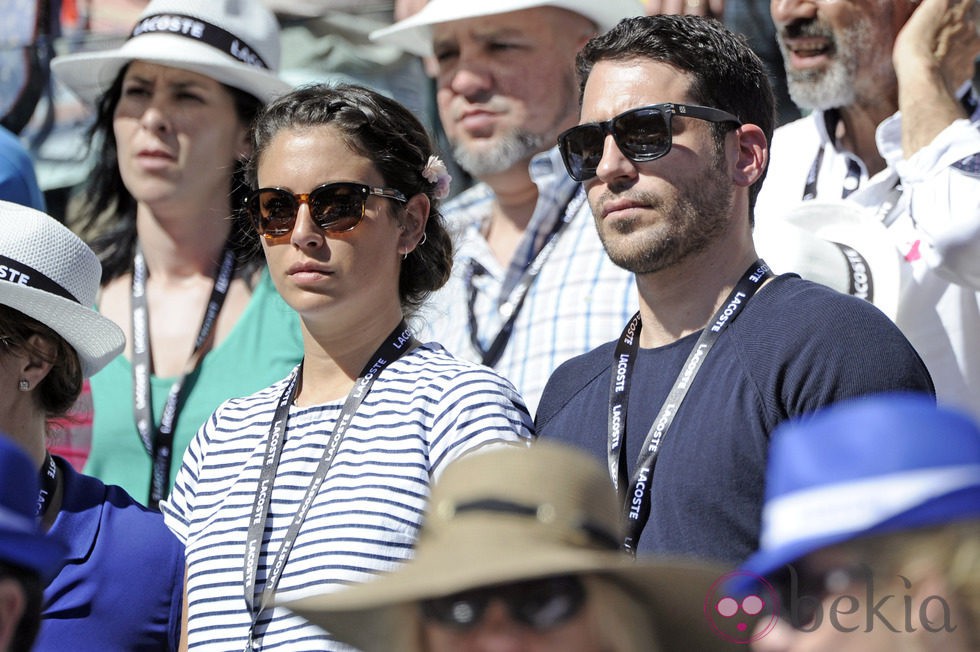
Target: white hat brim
{"x":90,"y":74}
{"x":96,"y":339}
{"x":802,"y":240}
{"x":414,"y":34}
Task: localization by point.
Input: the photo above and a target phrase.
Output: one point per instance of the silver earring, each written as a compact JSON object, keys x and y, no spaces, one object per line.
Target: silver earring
{"x":405,"y":256}
{"x":24,"y":385}
{"x":425,"y":236}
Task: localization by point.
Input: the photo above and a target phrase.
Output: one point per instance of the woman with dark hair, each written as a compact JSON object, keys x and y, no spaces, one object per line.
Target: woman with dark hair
{"x":182,"y":270}
{"x":321,"y":479}
{"x":50,"y":340}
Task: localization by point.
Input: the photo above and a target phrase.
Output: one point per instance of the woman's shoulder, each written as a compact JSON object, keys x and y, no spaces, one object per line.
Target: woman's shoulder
{"x":433,"y":363}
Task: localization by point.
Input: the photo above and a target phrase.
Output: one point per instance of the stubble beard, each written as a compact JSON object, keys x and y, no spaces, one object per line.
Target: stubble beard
{"x":690,"y":223}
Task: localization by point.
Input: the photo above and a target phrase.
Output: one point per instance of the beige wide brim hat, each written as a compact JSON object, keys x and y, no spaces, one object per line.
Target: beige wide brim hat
{"x":414,"y":34}
{"x":509,"y":515}
{"x":235,"y":42}
{"x":49,"y":274}
{"x":838,"y":244}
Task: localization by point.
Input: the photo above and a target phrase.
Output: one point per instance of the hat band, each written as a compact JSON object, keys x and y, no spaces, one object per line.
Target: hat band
{"x":860,"y":281}
{"x":11,"y":520}
{"x":857,"y":506}
{"x":200,"y":30}
{"x":16,"y":272}
{"x":543,"y":513}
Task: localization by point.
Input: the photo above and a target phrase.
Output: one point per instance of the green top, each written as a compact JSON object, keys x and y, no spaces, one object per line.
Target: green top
{"x":263,"y":347}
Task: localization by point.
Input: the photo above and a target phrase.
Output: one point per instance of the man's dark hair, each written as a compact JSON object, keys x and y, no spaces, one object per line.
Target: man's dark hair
{"x":725,"y":73}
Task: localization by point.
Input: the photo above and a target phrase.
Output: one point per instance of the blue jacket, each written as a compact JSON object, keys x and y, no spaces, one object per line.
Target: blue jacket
{"x":121,"y":585}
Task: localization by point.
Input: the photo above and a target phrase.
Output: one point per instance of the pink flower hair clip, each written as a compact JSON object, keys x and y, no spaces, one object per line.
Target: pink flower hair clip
{"x":435,"y":172}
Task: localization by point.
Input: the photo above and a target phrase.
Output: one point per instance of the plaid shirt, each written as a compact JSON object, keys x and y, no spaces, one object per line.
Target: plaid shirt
{"x":578,"y":301}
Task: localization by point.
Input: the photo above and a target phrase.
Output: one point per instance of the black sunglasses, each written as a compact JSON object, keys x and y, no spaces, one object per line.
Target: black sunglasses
{"x":335,"y":207}
{"x":642,"y":134}
{"x":539,"y":604}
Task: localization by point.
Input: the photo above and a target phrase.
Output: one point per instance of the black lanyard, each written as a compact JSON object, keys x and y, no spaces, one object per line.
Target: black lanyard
{"x":399,"y":342}
{"x":853,"y":177}
{"x":886,"y":213}
{"x":637,"y":498}
{"x":851,"y":181}
{"x":515,"y":300}
{"x":159,"y":442}
{"x":48,"y":477}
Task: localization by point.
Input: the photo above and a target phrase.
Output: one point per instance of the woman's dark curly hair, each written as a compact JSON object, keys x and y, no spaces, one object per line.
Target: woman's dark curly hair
{"x":388,"y":134}
{"x":106,"y":215}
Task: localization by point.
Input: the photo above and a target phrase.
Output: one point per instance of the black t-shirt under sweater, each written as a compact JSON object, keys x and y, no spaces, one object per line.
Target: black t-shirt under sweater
{"x":797,"y":346}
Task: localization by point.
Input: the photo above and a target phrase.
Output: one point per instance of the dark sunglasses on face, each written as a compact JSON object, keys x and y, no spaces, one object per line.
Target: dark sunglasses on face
{"x":334,"y":207}
{"x":539,"y":604}
{"x":642,"y":134}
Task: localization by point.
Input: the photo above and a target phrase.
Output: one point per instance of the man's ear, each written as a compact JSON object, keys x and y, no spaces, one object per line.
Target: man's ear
{"x":413,"y":221}
{"x":751,"y":155}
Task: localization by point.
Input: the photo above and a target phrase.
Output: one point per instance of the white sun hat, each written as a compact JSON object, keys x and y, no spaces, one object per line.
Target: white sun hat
{"x":414,"y":34}
{"x":838,"y":244}
{"x":235,"y":42}
{"x":49,"y":274}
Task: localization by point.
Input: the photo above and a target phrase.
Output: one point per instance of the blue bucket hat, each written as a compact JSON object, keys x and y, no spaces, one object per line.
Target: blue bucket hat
{"x":865,"y":466}
{"x":22,"y":543}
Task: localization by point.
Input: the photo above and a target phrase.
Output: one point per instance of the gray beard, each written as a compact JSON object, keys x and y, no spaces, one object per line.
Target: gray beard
{"x":507,"y":152}
{"x":822,"y":89}
{"x":834,"y":86}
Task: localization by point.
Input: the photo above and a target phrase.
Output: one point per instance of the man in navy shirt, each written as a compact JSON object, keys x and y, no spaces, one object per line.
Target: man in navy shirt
{"x":672,"y":148}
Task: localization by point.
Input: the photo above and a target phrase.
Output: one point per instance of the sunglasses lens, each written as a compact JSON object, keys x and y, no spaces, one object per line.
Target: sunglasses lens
{"x":547,"y":603}
{"x":459,"y":611}
{"x":581,"y":149}
{"x":338,"y":206}
{"x":273,"y":211}
{"x":538,"y":604}
{"x":335,"y":207}
{"x":642,"y":135}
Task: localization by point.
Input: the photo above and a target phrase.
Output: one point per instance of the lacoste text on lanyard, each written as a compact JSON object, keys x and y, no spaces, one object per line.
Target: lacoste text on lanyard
{"x":515,"y":301}
{"x":399,"y":342}
{"x":48,"y":477}
{"x":159,"y":442}
{"x":637,"y":497}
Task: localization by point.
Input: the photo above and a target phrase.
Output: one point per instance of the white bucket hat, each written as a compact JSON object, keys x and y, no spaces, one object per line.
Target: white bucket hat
{"x":49,"y":274}
{"x":235,"y":42}
{"x":837,"y":244}
{"x":414,"y":34}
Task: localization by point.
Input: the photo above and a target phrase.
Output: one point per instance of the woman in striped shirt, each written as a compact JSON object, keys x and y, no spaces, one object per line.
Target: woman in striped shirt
{"x":321,"y":479}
